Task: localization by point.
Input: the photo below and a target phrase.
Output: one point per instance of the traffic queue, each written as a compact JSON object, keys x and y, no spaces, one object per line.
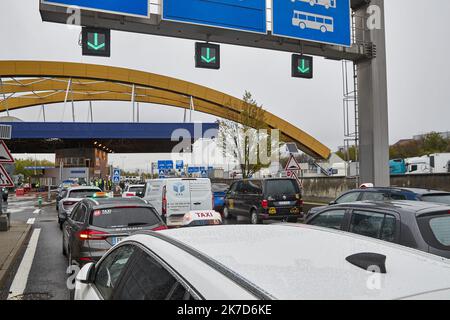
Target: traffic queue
{"x":153,"y":244}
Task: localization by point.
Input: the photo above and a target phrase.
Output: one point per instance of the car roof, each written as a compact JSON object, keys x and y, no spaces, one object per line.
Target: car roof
{"x":83,"y":188}
{"x":294,"y":261}
{"x":404,"y":206}
{"x":425,"y":191}
{"x":377,"y":189}
{"x":119,"y":201}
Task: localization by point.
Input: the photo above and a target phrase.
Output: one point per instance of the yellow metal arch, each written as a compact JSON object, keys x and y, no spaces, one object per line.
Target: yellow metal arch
{"x":46,"y":83}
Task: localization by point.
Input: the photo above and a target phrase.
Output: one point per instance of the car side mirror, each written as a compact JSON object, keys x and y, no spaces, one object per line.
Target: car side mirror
{"x":87,"y":274}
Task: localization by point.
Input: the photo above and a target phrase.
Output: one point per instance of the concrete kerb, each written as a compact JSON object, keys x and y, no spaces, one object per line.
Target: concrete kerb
{"x":10,"y":261}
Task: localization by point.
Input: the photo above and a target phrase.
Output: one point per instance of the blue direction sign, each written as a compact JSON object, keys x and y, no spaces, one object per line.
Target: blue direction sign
{"x":129,"y":7}
{"x":179,"y":164}
{"x":116,"y":176}
{"x":165,"y":165}
{"x":325,"y":21}
{"x":193,"y":170}
{"x":244,"y":15}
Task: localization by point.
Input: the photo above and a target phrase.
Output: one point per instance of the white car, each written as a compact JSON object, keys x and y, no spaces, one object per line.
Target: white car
{"x":173,"y":198}
{"x":132,"y":190}
{"x":246,"y":262}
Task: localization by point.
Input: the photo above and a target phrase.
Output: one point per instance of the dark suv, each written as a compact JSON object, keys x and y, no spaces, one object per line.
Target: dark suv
{"x":95,"y":225}
{"x":420,"y":225}
{"x":266,"y":199}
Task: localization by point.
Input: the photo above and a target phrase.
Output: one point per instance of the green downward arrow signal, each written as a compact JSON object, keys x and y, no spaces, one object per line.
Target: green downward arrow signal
{"x":303,"y":68}
{"x":208,"y":58}
{"x":96,"y":46}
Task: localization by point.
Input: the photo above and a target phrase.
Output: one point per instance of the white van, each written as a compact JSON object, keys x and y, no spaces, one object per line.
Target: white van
{"x":173,"y":198}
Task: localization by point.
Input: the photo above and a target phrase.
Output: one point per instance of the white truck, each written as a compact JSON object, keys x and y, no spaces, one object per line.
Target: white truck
{"x":440,"y":162}
{"x":173,"y":198}
{"x":433,"y":163}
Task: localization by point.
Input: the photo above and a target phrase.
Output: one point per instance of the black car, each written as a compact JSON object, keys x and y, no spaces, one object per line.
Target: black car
{"x":388,"y":194}
{"x":266,"y":199}
{"x":420,"y":225}
{"x":96,"y":224}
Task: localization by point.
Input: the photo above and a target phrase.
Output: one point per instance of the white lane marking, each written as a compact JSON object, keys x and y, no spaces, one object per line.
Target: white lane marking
{"x":37,"y":211}
{"x":20,"y":280}
{"x":31,"y":221}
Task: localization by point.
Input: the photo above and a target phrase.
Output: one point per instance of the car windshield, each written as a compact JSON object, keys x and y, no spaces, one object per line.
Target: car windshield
{"x":82,"y":193}
{"x":219,"y":187}
{"x":136,"y":189}
{"x":112,"y":218}
{"x":287,"y":186}
{"x":437,"y":198}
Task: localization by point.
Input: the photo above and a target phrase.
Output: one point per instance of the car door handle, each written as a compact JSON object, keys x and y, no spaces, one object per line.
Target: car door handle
{"x":197,"y":203}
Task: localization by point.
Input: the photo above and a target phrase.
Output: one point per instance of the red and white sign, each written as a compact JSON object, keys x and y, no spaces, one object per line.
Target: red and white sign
{"x":5,"y":179}
{"x":292,"y":165}
{"x":5,"y":154}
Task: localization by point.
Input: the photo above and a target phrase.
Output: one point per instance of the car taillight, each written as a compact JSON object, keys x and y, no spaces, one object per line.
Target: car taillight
{"x":265,"y":204}
{"x":92,"y":235}
{"x":159,"y":228}
{"x":128,"y":194}
{"x":164,"y":201}
{"x":300,"y":202}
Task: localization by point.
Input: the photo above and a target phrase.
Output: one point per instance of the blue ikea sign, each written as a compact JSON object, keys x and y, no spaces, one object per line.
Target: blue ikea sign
{"x":124,"y":7}
{"x":243,"y":15}
{"x":325,"y":21}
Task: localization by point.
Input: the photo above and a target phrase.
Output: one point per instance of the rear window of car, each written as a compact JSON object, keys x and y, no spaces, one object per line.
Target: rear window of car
{"x":287,"y":186}
{"x":219,"y":187}
{"x":437,"y":198}
{"x":136,"y":189}
{"x":125,"y":217}
{"x":441,"y":229}
{"x":82,"y":193}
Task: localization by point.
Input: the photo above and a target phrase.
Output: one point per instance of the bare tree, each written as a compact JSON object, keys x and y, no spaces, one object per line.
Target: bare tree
{"x":248,"y":140}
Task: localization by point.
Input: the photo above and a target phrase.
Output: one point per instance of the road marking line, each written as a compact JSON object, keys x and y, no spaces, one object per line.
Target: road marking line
{"x":31,"y":221}
{"x":37,"y":211}
{"x":21,"y":279}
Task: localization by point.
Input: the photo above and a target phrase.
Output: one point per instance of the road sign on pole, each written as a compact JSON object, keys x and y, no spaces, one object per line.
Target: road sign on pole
{"x":5,"y":154}
{"x":240,"y":15}
{"x":5,"y":179}
{"x":207,"y":55}
{"x":324,"y":21}
{"x":116,"y":176}
{"x":96,"y":42}
{"x":302,"y":66}
{"x":292,"y":164}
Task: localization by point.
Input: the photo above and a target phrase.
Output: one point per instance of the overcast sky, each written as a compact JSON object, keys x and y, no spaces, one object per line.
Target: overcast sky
{"x":418,"y":72}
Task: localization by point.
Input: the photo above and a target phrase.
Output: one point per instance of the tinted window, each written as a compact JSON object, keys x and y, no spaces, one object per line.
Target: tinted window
{"x":149,"y":280}
{"x":287,"y":186}
{"x":80,"y":213}
{"x":82,"y":193}
{"x":374,"y":196}
{"x":124,"y":217}
{"x":438,"y":198}
{"x":110,"y":270}
{"x":254,"y":187}
{"x":349,"y":197}
{"x":398,"y":196}
{"x":219,"y":187}
{"x":329,"y":219}
{"x":233,"y":187}
{"x":441,"y":229}
{"x":374,"y":225}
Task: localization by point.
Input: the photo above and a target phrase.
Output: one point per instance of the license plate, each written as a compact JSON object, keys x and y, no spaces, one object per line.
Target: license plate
{"x":272,"y":211}
{"x":295,"y":210}
{"x":117,"y":240}
{"x":284,"y":203}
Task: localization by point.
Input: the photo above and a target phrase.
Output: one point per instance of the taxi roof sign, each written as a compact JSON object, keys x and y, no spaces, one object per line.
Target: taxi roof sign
{"x":202,"y":218}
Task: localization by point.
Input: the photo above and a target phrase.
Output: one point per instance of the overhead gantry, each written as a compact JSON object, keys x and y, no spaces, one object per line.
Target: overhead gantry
{"x":35,"y":83}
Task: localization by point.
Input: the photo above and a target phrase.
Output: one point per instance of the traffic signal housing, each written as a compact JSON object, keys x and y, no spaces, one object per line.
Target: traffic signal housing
{"x":302,"y":66}
{"x":207,"y":55}
{"x":96,"y":42}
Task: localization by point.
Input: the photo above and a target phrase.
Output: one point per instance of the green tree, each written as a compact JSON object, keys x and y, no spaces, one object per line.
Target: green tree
{"x":434,"y":143}
{"x":348,"y":156}
{"x":21,"y":164}
{"x":241,"y":139}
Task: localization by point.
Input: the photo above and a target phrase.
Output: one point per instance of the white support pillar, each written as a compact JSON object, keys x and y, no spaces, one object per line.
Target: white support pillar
{"x":90,"y":111}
